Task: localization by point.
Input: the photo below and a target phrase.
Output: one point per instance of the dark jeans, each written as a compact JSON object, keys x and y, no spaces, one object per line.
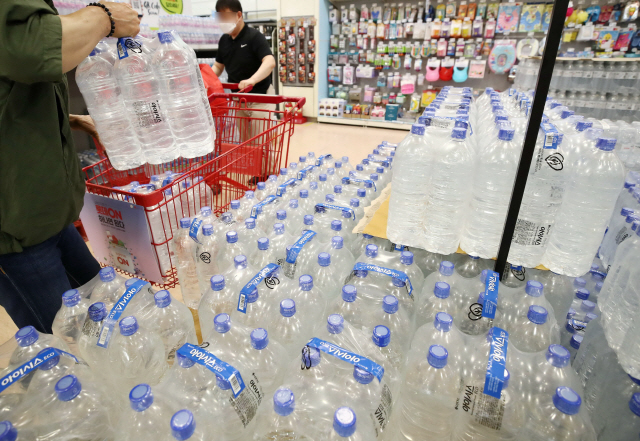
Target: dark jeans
{"x":32,"y":282}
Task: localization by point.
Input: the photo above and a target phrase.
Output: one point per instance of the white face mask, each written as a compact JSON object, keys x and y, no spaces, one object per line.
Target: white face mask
{"x":228,"y":28}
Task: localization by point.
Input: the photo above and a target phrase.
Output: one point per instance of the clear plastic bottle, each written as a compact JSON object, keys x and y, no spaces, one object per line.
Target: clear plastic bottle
{"x":229,"y":251}
{"x":146,"y":418}
{"x":283,"y":422}
{"x":206,"y":257}
{"x":30,"y":343}
{"x":144,"y":103}
{"x":588,"y":203}
{"x":68,"y":322}
{"x":97,"y":82}
{"x":219,"y":299}
{"x":109,"y":288}
{"x":184,"y":248}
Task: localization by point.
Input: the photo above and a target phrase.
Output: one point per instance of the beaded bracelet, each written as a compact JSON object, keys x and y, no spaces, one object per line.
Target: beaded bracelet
{"x":113,"y":23}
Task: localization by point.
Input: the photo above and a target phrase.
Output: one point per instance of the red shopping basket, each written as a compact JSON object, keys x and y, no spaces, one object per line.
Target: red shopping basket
{"x":238,"y":162}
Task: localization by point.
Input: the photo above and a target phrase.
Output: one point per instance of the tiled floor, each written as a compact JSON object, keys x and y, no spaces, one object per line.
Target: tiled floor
{"x":339,"y":140}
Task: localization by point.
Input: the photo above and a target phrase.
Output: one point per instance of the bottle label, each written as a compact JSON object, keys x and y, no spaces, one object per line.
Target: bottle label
{"x":290,"y":264}
{"x":395,"y":274}
{"x":622,"y":235}
{"x":147,"y":113}
{"x":587,"y":74}
{"x":215,"y":365}
{"x":443,"y":123}
{"x":485,"y":410}
{"x":494,"y":379}
{"x":90,"y":328}
{"x":267,"y":271}
{"x":321,"y":159}
{"x":491,"y":295}
{"x":551,"y":135}
{"x":342,"y":354}
{"x":530,"y":233}
{"x":577,"y":325}
{"x":282,"y":188}
{"x":302,"y":173}
{"x":24,"y":369}
{"x":194,"y":228}
{"x":110,"y":321}
{"x":350,"y":180}
{"x":269,"y":199}
{"x":322,"y":208}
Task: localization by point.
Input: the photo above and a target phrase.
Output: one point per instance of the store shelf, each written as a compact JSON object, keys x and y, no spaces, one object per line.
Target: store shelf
{"x":204,"y":47}
{"x":377,"y":123}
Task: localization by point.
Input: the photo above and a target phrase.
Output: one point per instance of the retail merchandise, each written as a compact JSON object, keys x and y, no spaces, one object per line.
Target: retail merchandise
{"x":297,"y":50}
{"x":155,"y":114}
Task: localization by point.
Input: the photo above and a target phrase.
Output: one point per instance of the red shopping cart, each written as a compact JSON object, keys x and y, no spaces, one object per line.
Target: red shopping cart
{"x":251,"y":141}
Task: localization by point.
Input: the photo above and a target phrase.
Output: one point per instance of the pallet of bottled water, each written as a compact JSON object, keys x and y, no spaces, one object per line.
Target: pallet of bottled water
{"x":148,"y":100}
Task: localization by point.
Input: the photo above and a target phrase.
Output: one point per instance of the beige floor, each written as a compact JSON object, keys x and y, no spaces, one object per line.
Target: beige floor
{"x":355,"y":142}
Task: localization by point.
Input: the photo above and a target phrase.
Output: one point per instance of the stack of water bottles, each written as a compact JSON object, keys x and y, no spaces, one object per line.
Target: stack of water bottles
{"x":148,"y":100}
{"x":452,"y":184}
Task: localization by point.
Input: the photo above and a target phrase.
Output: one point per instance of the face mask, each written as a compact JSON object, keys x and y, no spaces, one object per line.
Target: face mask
{"x":228,"y":28}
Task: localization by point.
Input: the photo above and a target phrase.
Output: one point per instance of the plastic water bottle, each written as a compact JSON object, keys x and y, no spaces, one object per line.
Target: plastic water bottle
{"x":95,"y":356}
{"x":49,"y":372}
{"x":446,"y":273}
{"x":345,"y":427}
{"x":534,"y":332}
{"x":282,"y":420}
{"x":341,"y":256}
{"x":442,"y":331}
{"x":135,"y":355}
{"x":146,"y":417}
{"x":109,"y":288}
{"x":328,"y":275}
{"x":617,"y":233}
{"x":588,"y":203}
{"x":180,"y":88}
{"x":250,"y":233}
{"x":452,"y":164}
{"x":291,"y":327}
{"x":410,"y":188}
{"x":350,"y":307}
{"x":495,"y":173}
{"x":97,"y":82}
{"x":553,"y":369}
{"x":69,"y":320}
{"x":184,"y":248}
{"x":559,"y":417}
{"x":309,"y":297}
{"x":436,"y":299}
{"x":30,"y":343}
{"x":206,"y":254}
{"x":143,"y":102}
{"x":624,"y":419}
{"x":429,"y":396}
{"x":217,"y":300}
{"x":173,"y":322}
{"x":229,"y":251}
{"x":542,"y":198}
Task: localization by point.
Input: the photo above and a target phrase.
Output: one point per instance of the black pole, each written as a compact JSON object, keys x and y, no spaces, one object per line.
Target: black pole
{"x":542,"y":88}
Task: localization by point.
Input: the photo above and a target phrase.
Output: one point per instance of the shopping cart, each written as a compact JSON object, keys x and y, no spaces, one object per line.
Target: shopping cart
{"x":250,"y":145}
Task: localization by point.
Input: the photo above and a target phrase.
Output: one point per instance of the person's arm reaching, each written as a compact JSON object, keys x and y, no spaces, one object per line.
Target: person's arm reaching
{"x":268,"y":63}
{"x":83,"y":29}
{"x":218,"y":68}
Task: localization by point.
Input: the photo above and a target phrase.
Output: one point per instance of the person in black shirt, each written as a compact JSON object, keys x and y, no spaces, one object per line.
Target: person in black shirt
{"x":242,"y":51}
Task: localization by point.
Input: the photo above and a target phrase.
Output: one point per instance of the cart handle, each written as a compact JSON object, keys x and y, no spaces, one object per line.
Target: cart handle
{"x":247,"y":89}
{"x":257,"y":97}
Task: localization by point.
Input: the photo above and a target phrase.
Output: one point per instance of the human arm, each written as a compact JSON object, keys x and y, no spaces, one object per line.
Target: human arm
{"x":83,"y":29}
{"x":218,"y":68}
{"x":268,"y":63}
{"x":84,"y":123}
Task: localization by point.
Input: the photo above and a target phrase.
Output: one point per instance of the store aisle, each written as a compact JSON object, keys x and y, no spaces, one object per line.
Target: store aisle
{"x":339,"y":140}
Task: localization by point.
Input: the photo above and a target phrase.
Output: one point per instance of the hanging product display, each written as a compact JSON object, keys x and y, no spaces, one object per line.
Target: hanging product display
{"x":502,"y":56}
{"x":297,"y":49}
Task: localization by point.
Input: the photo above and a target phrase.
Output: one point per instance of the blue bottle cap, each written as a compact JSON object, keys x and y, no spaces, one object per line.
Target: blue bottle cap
{"x":107,"y":274}
{"x":283,"y":171}
{"x":278,"y":229}
{"x":381,"y":336}
{"x":249,"y":194}
{"x":336,"y":225}
{"x":217,"y":282}
{"x":380,"y":170}
{"x":537,"y":314}
{"x":314,"y":185}
{"x":579,"y":282}
{"x":222,"y":383}
{"x":281,"y":215}
{"x":345,"y":159}
{"x":252,"y":297}
{"x":250,"y":223}
{"x":240,"y":261}
{"x":365,"y":161}
{"x":330,"y":198}
{"x":437,"y":356}
{"x":308,"y":219}
{"x":558,"y":356}
{"x":362,"y":376}
{"x":227,"y":217}
{"x":443,"y":322}
{"x":306,"y":282}
{"x":626,"y":211}
{"x":590,"y":316}
{"x":283,"y":400}
{"x":287,"y":308}
{"x":354,"y":202}
{"x":7,"y":431}
{"x":131,"y":281}
{"x":567,"y":400}
{"x":185,"y":222}
{"x":324,"y":259}
{"x":262,"y":185}
{"x":337,"y":242}
{"x":361,"y":193}
{"x":373,"y":176}
{"x":128,"y":326}
{"x":272,"y":178}
{"x":576,"y":340}
{"x":406,"y":257}
{"x":634,"y":403}
{"x":71,"y":298}
{"x":397,"y":282}
{"x":587,"y":306}
{"x":97,"y":311}
{"x":359,"y":167}
{"x":304,"y":193}
{"x":207,"y":229}
{"x":26,"y":336}
{"x":140,"y":397}
{"x":222,"y":323}
{"x":390,"y":304}
{"x":232,"y":236}
{"x":446,"y":268}
{"x":582,"y":293}
{"x":162,"y":298}
{"x":349,"y":293}
{"x":260,"y":338}
{"x":338,"y":164}
{"x":322,"y":177}
{"x":371,"y":250}
{"x":183,"y":361}
{"x":50,"y":363}
{"x":263,"y":243}
{"x":606,"y":144}
{"x":442,"y":290}
{"x":534,"y":288}
{"x":183,"y":425}
{"x":206,"y":211}
{"x":293,"y":203}
{"x":293,"y":165}
{"x":344,"y":422}
{"x":335,"y":324}
{"x":68,"y":387}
